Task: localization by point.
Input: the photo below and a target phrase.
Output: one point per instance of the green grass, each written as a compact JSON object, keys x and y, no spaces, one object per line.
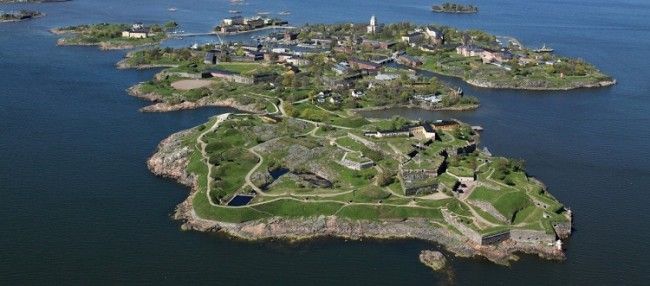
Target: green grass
{"x":510,"y":203}
{"x":237,"y":67}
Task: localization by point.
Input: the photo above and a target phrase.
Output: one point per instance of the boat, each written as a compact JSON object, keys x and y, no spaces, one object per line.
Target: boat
{"x":543,"y":49}
{"x":263,"y":13}
{"x":172,"y":9}
{"x":195,"y":46}
{"x":234,"y":11}
{"x":284,"y":13}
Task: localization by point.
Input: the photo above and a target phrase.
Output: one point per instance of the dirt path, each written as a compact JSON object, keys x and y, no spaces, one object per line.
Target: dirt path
{"x":204,"y":155}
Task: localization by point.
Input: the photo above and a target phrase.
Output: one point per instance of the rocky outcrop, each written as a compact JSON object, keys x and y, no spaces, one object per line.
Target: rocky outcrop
{"x":538,"y":85}
{"x":434,"y":259}
{"x":172,"y":158}
{"x":160,"y":106}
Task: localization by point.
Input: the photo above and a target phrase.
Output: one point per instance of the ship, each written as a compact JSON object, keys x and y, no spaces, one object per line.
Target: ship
{"x":263,"y":13}
{"x":172,"y":9}
{"x":284,"y":13}
{"x":234,"y":11}
{"x":543,"y":49}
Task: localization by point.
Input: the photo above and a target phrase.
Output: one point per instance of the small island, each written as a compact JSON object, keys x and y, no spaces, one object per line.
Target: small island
{"x":448,"y":7}
{"x":113,"y":36}
{"x":21,"y":15}
{"x":238,"y":24}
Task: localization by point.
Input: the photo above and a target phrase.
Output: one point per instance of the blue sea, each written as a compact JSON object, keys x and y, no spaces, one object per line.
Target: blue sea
{"x":78,"y":205}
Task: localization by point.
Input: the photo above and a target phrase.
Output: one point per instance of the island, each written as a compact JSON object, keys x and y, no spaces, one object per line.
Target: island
{"x":21,"y":15}
{"x":113,"y":36}
{"x":238,"y":24}
{"x":448,"y":7}
{"x":273,"y":175}
{"x":250,"y":77}
{"x":302,"y":161}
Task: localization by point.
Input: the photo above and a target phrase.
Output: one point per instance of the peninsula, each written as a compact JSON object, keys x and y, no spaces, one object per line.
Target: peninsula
{"x":113,"y":36}
{"x":21,"y":15}
{"x":448,"y":7}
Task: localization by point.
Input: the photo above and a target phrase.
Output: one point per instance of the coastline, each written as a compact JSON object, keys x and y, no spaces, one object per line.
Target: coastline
{"x":104,"y":46}
{"x":254,"y":30}
{"x":160,"y":106}
{"x":484,"y":84}
{"x":170,"y":161}
{"x":23,"y":20}
{"x":487,"y":84}
{"x":415,"y":106}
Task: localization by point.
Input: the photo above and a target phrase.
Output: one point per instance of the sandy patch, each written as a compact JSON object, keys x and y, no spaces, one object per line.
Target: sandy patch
{"x":188,"y":84}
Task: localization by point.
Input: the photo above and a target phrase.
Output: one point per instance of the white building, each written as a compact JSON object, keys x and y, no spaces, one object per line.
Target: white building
{"x":373,"y":27}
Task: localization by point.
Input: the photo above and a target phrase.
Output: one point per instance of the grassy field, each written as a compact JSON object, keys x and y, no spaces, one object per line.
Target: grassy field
{"x":315,"y":184}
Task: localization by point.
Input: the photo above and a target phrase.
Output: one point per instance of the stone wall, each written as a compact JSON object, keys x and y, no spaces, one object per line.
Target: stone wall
{"x":531,"y":236}
{"x":495,"y":238}
{"x":489,"y":208}
{"x":451,"y":219}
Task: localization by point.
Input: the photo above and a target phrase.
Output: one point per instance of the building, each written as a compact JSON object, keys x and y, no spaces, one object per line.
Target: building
{"x":488,"y":56}
{"x":446,"y":125}
{"x":364,"y":65}
{"x":469,"y":50}
{"x":238,"y":78}
{"x":373,"y":44}
{"x":434,"y":35}
{"x":341,"y":68}
{"x":237,"y":20}
{"x":388,"y":134}
{"x":341,"y":82}
{"x":290,"y":36}
{"x":137,"y":31}
{"x":297,"y":61}
{"x":356,"y":93}
{"x":423,"y":132}
{"x":255,"y":56}
{"x":356,"y":162}
{"x":413,"y":37}
{"x":254,"y":23}
{"x":409,"y":61}
{"x":429,"y":98}
{"x":373,"y":26}
{"x":386,"y":76}
{"x":210,"y":58}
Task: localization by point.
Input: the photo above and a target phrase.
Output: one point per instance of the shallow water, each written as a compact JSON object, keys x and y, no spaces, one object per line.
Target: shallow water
{"x":80,"y":207}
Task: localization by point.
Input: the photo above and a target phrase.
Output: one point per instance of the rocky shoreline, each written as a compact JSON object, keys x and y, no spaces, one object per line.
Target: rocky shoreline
{"x":486,"y":84}
{"x":489,"y":84}
{"x":160,"y":106}
{"x":171,"y":159}
{"x":416,"y":106}
{"x":102,"y":45}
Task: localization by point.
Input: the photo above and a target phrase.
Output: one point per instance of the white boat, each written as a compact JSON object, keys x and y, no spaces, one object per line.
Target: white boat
{"x":234,"y":11}
{"x":543,"y":49}
{"x":195,"y":46}
{"x":172,"y":9}
{"x":284,"y":13}
{"x":263,"y":13}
